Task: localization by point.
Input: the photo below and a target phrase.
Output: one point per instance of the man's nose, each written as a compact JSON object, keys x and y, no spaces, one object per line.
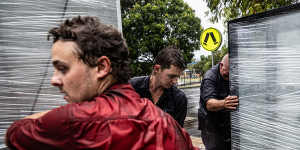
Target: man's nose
{"x":56,"y":80}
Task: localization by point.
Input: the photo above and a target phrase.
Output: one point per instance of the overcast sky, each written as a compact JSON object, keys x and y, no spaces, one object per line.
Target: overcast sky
{"x":200,"y":8}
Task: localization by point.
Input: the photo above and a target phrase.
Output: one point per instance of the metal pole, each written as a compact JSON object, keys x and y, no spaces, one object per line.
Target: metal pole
{"x":212,"y":58}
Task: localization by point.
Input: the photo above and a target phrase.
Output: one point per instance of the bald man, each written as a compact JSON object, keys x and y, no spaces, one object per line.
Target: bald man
{"x":215,"y":107}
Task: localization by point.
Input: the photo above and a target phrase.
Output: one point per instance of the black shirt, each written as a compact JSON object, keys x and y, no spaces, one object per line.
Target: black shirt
{"x":213,"y":86}
{"x":172,"y":101}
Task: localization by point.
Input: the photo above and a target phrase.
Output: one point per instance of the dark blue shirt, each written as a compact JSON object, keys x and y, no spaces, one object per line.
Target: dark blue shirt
{"x":172,"y":101}
{"x":213,"y":86}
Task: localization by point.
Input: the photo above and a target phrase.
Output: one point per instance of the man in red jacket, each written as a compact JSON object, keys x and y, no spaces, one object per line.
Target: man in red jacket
{"x":91,"y":69}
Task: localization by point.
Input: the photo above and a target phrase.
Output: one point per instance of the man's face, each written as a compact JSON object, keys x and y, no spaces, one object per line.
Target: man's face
{"x":74,"y":78}
{"x":224,"y":71}
{"x":168,"y":77}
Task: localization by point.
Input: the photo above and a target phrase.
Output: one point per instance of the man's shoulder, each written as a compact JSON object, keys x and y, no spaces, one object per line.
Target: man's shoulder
{"x":139,"y":82}
{"x":138,"y":79}
{"x":177,"y":93}
{"x":211,"y":73}
{"x":113,"y":100}
{"x":176,"y":90}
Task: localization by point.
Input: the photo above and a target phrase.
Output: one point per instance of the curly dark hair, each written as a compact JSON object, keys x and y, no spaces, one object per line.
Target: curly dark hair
{"x":96,"y":39}
{"x":170,"y":56}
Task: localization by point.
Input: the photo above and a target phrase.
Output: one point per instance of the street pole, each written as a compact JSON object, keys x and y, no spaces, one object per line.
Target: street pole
{"x":212,"y":58}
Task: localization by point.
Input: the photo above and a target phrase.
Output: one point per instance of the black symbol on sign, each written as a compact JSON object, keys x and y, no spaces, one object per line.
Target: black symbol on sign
{"x":212,"y":36}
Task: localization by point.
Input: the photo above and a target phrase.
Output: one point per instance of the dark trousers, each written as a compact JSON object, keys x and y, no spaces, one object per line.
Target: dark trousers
{"x":214,"y":141}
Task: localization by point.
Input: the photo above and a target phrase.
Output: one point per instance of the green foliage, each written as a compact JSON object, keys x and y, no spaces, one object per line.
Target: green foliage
{"x":231,"y":9}
{"x":151,"y":25}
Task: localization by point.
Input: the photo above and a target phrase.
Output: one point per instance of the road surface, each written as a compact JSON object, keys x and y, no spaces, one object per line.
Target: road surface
{"x":191,"y":121}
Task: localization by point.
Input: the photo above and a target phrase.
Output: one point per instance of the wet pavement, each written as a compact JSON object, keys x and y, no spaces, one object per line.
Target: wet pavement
{"x":191,"y":121}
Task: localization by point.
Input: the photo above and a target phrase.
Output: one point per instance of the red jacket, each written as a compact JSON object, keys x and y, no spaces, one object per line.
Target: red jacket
{"x":117,"y":119}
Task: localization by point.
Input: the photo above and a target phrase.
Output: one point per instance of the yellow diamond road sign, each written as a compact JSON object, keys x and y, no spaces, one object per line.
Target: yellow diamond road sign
{"x":211,"y":39}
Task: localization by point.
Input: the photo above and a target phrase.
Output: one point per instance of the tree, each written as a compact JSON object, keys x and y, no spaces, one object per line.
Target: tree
{"x":231,"y":9}
{"x":151,"y":25}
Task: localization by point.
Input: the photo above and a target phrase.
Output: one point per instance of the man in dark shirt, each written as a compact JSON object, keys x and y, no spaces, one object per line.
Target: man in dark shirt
{"x":215,"y":106}
{"x":159,"y":86}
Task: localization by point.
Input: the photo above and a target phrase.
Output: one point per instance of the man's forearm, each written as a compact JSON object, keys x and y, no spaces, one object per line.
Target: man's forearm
{"x":180,"y":117}
{"x":215,"y":105}
{"x":229,"y":103}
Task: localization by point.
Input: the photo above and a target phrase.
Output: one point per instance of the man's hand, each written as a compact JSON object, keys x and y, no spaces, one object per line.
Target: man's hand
{"x":36,"y":115}
{"x":231,"y":102}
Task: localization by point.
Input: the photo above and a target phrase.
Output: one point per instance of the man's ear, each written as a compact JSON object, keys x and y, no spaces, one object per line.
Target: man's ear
{"x":221,"y":64}
{"x":103,"y":66}
{"x":156,"y":68}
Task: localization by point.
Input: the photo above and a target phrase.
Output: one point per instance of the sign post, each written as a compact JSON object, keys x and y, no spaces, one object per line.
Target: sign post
{"x":211,"y":40}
